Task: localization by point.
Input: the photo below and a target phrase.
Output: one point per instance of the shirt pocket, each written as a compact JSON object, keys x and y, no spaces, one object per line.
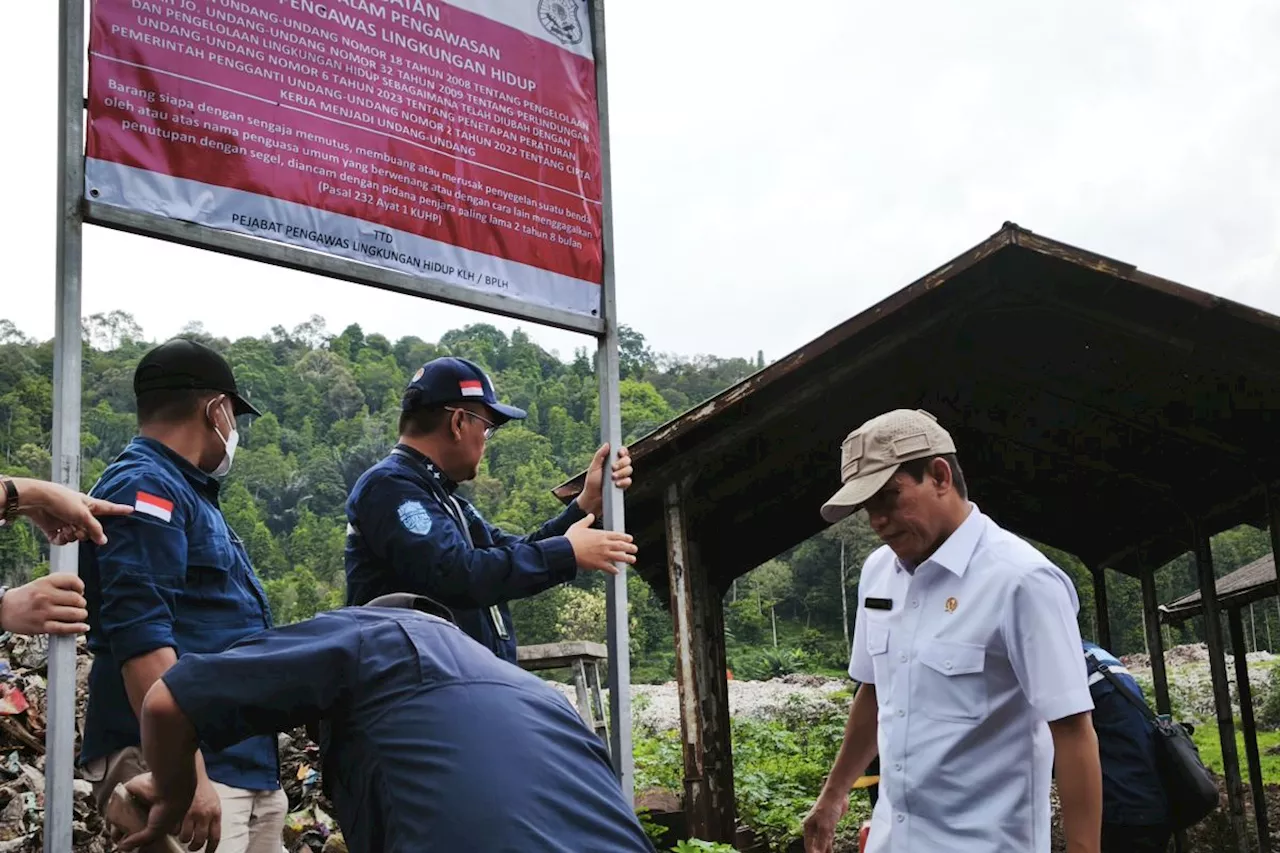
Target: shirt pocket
{"x":878,"y":651}
{"x":951,"y":685}
{"x":211,"y":594}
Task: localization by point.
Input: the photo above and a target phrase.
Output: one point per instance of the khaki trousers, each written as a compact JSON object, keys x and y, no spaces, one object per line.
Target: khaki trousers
{"x":252,"y":821}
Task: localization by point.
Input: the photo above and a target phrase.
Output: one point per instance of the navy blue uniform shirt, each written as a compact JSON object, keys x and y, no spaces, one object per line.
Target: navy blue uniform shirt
{"x":406,"y":534}
{"x":1131,"y":791}
{"x":429,"y":742}
{"x":172,"y":575}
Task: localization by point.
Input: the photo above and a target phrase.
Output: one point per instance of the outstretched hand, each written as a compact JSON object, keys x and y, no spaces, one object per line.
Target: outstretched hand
{"x":599,"y":550}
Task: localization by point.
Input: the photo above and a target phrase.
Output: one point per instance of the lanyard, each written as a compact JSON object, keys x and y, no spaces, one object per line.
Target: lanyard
{"x":454,"y":510}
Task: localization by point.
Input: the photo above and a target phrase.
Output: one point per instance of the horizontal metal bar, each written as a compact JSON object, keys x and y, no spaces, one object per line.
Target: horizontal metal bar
{"x":305,"y":260}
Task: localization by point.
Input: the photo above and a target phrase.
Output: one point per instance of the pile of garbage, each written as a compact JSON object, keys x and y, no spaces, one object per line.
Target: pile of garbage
{"x":23,"y":691}
{"x":309,"y":828}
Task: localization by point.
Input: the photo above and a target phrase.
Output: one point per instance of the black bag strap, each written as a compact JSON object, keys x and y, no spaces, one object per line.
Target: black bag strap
{"x":1123,"y":689}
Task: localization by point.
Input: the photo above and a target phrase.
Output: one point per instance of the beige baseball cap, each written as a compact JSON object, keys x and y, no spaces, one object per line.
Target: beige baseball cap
{"x":871,"y":454}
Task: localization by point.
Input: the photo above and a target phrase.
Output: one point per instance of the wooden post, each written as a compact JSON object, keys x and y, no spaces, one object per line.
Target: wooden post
{"x":1273,"y":527}
{"x":1155,"y":642}
{"x":1100,"y":607}
{"x":1221,"y":687}
{"x":1250,"y":730}
{"x":698,"y":621}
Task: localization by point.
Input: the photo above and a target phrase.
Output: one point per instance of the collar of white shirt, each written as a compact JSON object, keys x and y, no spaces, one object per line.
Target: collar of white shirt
{"x":955,"y":553}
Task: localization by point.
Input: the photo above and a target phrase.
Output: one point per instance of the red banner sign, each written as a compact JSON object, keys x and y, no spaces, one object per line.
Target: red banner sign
{"x":457,"y":141}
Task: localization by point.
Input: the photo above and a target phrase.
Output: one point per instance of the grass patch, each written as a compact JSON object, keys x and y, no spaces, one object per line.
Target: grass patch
{"x":1207,"y":741}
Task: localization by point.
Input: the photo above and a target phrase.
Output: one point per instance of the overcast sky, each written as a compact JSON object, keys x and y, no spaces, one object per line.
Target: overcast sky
{"x":779,"y":167}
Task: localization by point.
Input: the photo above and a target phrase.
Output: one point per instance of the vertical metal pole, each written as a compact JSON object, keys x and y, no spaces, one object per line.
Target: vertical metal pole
{"x":611,"y":429}
{"x":60,"y":736}
{"x":1155,"y":642}
{"x":1250,"y":729}
{"x":1100,"y":606}
{"x":1221,"y":688}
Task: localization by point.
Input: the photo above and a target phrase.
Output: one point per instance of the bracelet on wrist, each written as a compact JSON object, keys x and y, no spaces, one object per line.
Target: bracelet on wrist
{"x":8,"y":500}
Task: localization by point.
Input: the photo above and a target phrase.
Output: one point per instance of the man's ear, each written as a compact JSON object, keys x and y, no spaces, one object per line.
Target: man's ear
{"x":941,"y":472}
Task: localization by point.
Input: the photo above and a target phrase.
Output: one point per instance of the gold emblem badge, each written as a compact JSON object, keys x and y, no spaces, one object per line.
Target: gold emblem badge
{"x":951,"y":605}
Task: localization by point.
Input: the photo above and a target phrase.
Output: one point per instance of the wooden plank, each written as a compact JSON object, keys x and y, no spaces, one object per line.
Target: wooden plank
{"x":556,"y":655}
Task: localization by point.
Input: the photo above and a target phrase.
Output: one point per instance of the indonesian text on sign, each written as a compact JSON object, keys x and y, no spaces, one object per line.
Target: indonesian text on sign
{"x":455,"y":140}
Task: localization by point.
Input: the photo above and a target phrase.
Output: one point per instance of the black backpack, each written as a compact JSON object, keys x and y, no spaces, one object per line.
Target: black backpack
{"x":1188,"y":784}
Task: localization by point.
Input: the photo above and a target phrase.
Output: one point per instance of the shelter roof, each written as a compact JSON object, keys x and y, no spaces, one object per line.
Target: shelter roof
{"x":1096,"y":409}
{"x":1247,"y":584}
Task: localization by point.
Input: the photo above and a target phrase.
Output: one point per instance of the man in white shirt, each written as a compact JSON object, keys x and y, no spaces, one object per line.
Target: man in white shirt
{"x":973,"y":689}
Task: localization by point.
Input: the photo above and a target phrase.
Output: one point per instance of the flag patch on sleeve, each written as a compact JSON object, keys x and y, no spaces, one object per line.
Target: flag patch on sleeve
{"x":154,"y":506}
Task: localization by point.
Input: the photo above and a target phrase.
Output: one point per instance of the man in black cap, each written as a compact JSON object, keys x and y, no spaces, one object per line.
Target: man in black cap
{"x":408,"y":530}
{"x":173,"y":579}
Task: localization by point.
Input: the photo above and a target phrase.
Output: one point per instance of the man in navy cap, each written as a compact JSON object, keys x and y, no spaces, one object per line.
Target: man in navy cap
{"x":428,"y":742}
{"x":173,"y":579}
{"x":408,"y":530}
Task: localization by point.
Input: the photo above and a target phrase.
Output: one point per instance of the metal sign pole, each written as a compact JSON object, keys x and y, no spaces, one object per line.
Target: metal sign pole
{"x":60,"y":737}
{"x":611,"y":430}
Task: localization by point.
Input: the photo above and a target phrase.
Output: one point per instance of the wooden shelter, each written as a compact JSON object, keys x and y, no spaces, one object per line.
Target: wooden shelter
{"x":1098,"y":409}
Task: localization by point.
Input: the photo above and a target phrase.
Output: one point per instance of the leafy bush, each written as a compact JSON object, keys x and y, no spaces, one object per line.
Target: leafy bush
{"x":779,"y":767}
{"x":697,"y":845}
{"x":1269,"y":711}
{"x":763,"y":664}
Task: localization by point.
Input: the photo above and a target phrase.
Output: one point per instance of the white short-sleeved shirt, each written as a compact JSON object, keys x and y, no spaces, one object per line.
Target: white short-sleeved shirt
{"x":971,"y":656}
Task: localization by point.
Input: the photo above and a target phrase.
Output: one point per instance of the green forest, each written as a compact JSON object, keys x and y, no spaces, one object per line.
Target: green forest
{"x":330,"y":403}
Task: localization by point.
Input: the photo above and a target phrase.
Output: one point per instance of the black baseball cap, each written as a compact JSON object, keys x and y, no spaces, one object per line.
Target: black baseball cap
{"x":409,"y":601}
{"x":455,"y":380}
{"x":186,"y":365}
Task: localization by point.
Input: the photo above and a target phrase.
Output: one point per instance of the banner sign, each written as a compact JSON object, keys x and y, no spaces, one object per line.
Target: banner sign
{"x":457,"y":141}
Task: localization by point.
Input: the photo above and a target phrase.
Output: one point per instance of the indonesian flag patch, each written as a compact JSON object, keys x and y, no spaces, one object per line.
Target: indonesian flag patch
{"x":471,"y":388}
{"x":153,"y":506}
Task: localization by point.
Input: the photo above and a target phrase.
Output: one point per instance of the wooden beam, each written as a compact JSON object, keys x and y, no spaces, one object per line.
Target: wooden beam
{"x":697,"y":620}
{"x":1221,"y":688}
{"x":1155,"y":642}
{"x":1250,"y":730}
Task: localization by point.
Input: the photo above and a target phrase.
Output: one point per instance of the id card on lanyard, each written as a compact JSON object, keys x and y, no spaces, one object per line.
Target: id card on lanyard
{"x":452,"y":507}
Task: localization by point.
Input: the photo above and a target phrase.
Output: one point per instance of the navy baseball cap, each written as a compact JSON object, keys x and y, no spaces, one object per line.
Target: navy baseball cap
{"x":455,"y":380}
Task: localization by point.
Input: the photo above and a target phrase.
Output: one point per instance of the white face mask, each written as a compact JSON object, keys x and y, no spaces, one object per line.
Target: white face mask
{"x":230,"y":443}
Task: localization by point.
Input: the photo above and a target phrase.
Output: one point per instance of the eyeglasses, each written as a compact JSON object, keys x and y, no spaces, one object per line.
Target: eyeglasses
{"x":489,"y":430}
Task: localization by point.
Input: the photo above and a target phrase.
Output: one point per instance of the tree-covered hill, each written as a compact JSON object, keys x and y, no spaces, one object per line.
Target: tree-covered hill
{"x":331,"y":403}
